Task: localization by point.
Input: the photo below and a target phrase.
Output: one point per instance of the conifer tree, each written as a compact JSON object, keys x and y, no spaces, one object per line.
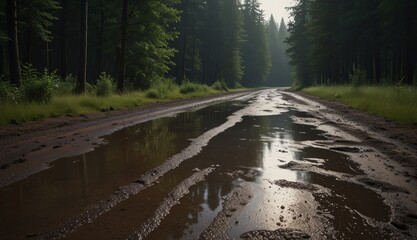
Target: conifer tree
{"x":255,"y":50}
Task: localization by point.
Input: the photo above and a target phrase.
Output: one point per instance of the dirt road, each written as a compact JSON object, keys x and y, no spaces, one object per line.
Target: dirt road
{"x":266,"y":164}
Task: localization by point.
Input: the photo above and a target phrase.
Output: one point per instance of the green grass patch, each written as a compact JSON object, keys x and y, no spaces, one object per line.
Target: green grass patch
{"x":398,"y":103}
{"x":63,"y":105}
{"x":70,"y":104}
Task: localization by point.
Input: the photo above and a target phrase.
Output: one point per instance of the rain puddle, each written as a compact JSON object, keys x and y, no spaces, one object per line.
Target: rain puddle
{"x":258,"y":170}
{"x":40,"y":201}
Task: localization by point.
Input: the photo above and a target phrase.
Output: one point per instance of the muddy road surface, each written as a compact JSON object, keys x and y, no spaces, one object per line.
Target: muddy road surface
{"x":267,"y":164}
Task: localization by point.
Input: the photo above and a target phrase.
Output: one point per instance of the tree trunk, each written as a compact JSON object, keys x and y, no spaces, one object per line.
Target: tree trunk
{"x":184,"y":43}
{"x":82,"y":71}
{"x":1,"y":61}
{"x":100,"y":46}
{"x":63,"y":39}
{"x":122,"y":67}
{"x":11,"y":19}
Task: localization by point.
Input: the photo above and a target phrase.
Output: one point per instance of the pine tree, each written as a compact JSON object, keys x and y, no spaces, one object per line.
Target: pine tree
{"x":256,"y":58}
{"x":121,"y":53}
{"x":298,"y":43}
{"x":150,"y":56}
{"x":231,"y":69}
{"x":284,"y":66}
{"x":275,"y":52}
{"x":82,"y":67}
{"x":37,"y":18}
{"x":11,"y":19}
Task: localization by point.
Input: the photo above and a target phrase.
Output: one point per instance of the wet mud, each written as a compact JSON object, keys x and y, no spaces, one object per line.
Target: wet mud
{"x":263,"y":166}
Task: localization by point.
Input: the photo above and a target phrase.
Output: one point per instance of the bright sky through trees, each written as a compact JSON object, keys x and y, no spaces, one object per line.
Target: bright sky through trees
{"x":277,"y":8}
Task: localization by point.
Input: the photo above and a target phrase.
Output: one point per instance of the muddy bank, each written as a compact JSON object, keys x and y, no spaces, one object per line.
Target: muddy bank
{"x":30,"y":148}
{"x":396,"y":142}
{"x":391,"y":138}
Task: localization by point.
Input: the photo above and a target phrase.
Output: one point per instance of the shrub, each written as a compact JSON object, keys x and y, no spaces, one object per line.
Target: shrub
{"x":238,"y":85}
{"x":220,"y":85}
{"x":152,"y":93}
{"x":8,"y":92}
{"x":164,"y":87}
{"x":189,"y":87}
{"x":35,"y":88}
{"x":358,"y":76}
{"x":104,"y":85}
{"x":65,"y":86}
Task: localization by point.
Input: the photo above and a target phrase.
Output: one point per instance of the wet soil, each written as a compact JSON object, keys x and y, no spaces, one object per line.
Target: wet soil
{"x":261,"y":165}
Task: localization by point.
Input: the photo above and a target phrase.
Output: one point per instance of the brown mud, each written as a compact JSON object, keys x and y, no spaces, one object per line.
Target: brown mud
{"x":268,"y":164}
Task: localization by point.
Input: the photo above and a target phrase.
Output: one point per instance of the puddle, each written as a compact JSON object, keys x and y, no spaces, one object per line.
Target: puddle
{"x":260,"y":137}
{"x":342,"y":211}
{"x":40,"y":201}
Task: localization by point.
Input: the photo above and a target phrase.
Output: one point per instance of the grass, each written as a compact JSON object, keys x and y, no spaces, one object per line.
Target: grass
{"x":398,"y":103}
{"x":73,"y":105}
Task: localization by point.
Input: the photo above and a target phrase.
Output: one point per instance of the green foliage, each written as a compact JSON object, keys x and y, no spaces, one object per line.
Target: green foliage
{"x":237,"y":85}
{"x":255,"y":50}
{"x":394,"y":103}
{"x":280,"y":71}
{"x":298,"y":44}
{"x":152,"y":93}
{"x":65,"y":86}
{"x":150,"y":55}
{"x":328,"y":37}
{"x":232,"y":39}
{"x":104,"y":85}
{"x":8,"y":92}
{"x":189,"y":87}
{"x":357,"y":77}
{"x":37,"y":87}
{"x":38,"y":16}
{"x":220,"y":85}
{"x":162,"y":88}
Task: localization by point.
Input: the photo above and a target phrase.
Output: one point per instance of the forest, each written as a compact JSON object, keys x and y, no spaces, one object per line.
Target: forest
{"x":137,"y":44}
{"x":356,"y":42}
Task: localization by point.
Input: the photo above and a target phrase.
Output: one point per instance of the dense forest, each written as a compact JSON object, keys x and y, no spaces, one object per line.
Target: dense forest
{"x":355,"y":41}
{"x":139,"y":42}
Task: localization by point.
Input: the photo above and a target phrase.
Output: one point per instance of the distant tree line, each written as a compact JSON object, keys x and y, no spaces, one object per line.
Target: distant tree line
{"x":139,"y":41}
{"x":344,"y":41}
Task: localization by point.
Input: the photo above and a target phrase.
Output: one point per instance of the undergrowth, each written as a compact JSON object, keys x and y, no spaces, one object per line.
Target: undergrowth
{"x":45,"y":95}
{"x":397,"y":103}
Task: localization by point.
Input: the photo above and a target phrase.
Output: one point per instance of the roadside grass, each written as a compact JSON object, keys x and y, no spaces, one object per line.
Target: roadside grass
{"x":398,"y":103}
{"x":11,"y":112}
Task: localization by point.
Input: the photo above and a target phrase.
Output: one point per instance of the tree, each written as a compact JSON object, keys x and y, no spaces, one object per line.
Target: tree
{"x":121,"y":72}
{"x":275,"y":51}
{"x":298,"y":43}
{"x":341,"y":37}
{"x":149,"y":51}
{"x":11,"y":19}
{"x":280,"y":71}
{"x":231,"y":69}
{"x":37,"y":18}
{"x":256,"y":58}
{"x":63,"y":40}
{"x":283,"y":66}
{"x":82,"y":69}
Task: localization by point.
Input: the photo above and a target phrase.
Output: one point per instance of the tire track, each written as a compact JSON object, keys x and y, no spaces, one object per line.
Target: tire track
{"x":171,"y":200}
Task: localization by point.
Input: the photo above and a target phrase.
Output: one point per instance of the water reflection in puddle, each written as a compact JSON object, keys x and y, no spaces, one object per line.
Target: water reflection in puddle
{"x":253,"y":153}
{"x":254,"y":156}
{"x":42,"y":200}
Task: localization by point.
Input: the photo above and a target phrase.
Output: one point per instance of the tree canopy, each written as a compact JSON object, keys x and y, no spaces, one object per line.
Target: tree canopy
{"x":331,"y":40}
{"x":140,"y":42}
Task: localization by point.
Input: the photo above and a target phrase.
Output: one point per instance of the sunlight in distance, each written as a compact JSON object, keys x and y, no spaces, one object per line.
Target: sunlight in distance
{"x":276,"y":8}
